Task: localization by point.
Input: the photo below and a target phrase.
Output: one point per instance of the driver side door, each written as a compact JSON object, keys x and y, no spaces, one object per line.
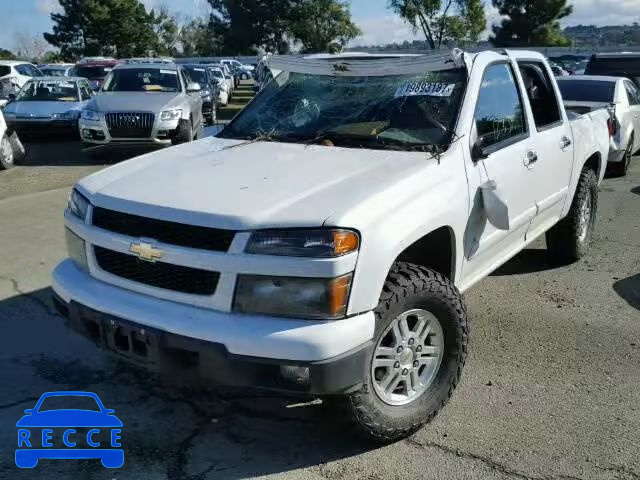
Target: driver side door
{"x":502,"y":123}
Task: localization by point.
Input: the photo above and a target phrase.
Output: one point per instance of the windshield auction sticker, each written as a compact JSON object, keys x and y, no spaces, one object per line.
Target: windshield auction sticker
{"x":425,"y":88}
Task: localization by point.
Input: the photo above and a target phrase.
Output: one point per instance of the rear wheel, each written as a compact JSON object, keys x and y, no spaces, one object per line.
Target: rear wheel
{"x":569,"y":240}
{"x":420,"y":347}
{"x":620,"y":169}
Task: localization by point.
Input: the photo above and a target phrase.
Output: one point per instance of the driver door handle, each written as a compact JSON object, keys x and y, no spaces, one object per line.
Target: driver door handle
{"x":530,"y":158}
{"x":565,"y":142}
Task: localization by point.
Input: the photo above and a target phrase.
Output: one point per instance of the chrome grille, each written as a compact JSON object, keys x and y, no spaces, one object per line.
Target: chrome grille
{"x":129,"y":124}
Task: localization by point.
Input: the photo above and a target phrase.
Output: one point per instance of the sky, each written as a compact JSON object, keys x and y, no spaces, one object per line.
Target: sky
{"x":379,"y":25}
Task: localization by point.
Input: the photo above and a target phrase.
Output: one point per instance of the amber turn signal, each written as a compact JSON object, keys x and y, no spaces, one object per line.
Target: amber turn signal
{"x":345,"y":241}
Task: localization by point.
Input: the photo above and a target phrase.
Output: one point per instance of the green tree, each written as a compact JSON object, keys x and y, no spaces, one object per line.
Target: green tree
{"x":6,"y":54}
{"x":166,"y":30}
{"x":248,"y":25}
{"x":318,"y":23}
{"x":199,"y":37}
{"x":102,"y":27}
{"x":442,"y":21}
{"x":530,"y":23}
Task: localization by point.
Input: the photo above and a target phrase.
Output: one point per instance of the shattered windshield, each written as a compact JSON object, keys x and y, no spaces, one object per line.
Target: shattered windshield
{"x":395,"y":112}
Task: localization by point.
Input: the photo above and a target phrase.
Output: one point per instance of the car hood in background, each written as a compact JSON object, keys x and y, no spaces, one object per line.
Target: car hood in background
{"x":244,"y":185}
{"x":134,"y":101}
{"x":35,"y":109}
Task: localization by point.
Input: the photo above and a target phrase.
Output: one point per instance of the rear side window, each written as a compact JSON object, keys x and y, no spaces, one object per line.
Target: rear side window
{"x":632,"y":93}
{"x":499,"y":112}
{"x":587,"y":90}
{"x":542,"y":96}
{"x":4,"y":70}
{"x":23,"y":69}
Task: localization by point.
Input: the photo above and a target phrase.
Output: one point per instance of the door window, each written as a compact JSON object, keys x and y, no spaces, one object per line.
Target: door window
{"x":632,"y":93}
{"x":23,"y":69}
{"x":499,"y":115}
{"x":541,"y":94}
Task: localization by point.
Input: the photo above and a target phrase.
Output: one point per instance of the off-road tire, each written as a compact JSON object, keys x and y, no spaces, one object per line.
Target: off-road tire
{"x":564,"y":244}
{"x":410,"y":286}
{"x":620,"y":169}
{"x":7,"y":156}
{"x":184,"y":132}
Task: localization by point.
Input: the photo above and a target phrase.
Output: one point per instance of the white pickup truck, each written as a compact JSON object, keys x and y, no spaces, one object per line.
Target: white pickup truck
{"x":320,"y":243}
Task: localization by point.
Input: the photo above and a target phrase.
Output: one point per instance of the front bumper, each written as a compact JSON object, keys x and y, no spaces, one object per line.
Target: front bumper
{"x":43,"y":127}
{"x":187,"y":341}
{"x":97,"y":133}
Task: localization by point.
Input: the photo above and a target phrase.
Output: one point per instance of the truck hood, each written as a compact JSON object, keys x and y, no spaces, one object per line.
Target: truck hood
{"x":133,"y":101}
{"x":243,"y":185}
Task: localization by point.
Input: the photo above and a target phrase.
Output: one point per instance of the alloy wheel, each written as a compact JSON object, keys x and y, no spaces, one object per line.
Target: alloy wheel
{"x":407,"y":357}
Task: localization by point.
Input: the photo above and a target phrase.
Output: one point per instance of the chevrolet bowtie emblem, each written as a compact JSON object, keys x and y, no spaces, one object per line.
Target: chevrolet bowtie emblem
{"x":146,"y":251}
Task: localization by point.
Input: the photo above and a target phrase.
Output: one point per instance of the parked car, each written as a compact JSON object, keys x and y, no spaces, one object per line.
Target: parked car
{"x":240,"y":71}
{"x":228,"y":76}
{"x":164,"y":60}
{"x":13,"y":75}
{"x":57,"y":70}
{"x":95,"y":71}
{"x":588,"y":93}
{"x":151,"y":104}
{"x":209,"y":90}
{"x":321,"y":243}
{"x":218,"y":74}
{"x":11,"y":149}
{"x":616,"y":65}
{"x":245,"y":72}
{"x":558,"y":71}
{"x":49,"y":105}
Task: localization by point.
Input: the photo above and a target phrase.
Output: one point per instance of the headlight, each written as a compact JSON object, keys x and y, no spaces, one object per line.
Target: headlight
{"x":324,"y":298}
{"x":303,"y":243}
{"x":171,"y":114}
{"x":77,"y":249}
{"x":70,"y":115}
{"x":90,"y":115}
{"x":78,"y":205}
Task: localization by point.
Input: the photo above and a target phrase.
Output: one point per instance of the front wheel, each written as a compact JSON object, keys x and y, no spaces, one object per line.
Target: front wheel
{"x":569,"y":240}
{"x":184,"y":132}
{"x":420,"y":347}
{"x":6,"y":153}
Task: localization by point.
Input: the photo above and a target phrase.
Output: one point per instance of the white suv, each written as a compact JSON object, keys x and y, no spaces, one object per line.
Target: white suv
{"x":13,"y":75}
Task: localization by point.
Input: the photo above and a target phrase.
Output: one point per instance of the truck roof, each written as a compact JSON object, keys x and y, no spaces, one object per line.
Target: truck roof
{"x":156,"y":66}
{"x":366,"y":64}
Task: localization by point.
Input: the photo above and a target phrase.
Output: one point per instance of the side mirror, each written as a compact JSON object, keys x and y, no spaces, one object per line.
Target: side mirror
{"x":478,"y":149}
{"x":29,"y":411}
{"x":109,"y":411}
{"x":193,"y":87}
{"x":11,"y":97}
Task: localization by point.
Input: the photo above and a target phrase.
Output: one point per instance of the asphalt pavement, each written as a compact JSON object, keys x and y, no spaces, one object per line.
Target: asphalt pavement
{"x":551,"y":389}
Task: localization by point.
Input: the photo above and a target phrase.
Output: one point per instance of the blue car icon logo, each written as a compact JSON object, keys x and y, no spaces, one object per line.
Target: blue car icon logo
{"x":53,"y":430}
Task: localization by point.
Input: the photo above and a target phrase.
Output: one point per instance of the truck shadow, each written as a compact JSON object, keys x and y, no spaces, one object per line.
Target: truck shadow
{"x":530,"y":260}
{"x":68,"y":152}
{"x":629,"y":289}
{"x":195,"y":432}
